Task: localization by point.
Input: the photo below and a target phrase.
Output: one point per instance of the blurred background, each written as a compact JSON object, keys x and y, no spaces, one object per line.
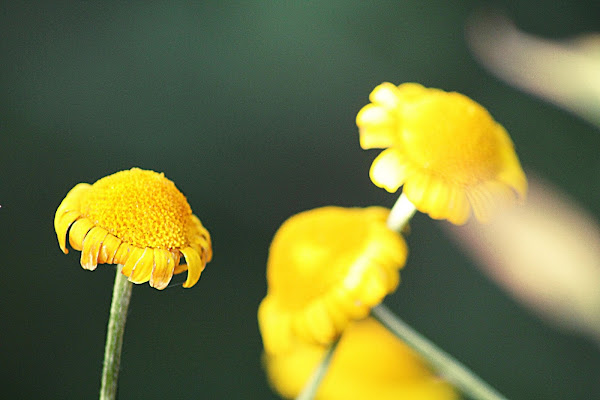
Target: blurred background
{"x":250,"y":110}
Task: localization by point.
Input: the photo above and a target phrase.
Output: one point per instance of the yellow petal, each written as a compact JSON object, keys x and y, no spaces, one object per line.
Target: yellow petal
{"x":482,"y":203}
{"x":110,"y":245}
{"x":351,"y":308}
{"x":385,"y":94}
{"x":410,"y":92}
{"x":195,"y":266}
{"x":337,"y":308}
{"x":142,"y":269}
{"x":513,"y":176}
{"x":435,"y":199}
{"x":163,"y":269}
{"x":274,"y":325}
{"x":122,"y":254}
{"x":377,"y":127}
{"x":91,"y":247}
{"x":179,"y":268}
{"x":61,"y":226}
{"x":71,"y":201}
{"x":388,"y":170}
{"x":201,"y":240}
{"x":315,"y":325}
{"x":135,"y":253}
{"x":416,"y":190}
{"x":79,"y":229}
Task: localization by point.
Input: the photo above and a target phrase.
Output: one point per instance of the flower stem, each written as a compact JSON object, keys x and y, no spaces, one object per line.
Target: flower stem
{"x":310,"y":390}
{"x":114,"y":335}
{"x":401,"y":213}
{"x":452,"y":370}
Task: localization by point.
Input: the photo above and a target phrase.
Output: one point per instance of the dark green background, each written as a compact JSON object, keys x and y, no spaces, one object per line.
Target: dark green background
{"x":250,"y":110}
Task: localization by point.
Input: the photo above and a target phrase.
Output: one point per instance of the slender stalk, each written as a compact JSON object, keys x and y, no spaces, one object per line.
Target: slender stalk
{"x":114,"y":335}
{"x":310,"y":390}
{"x":452,"y":370}
{"x":401,"y":213}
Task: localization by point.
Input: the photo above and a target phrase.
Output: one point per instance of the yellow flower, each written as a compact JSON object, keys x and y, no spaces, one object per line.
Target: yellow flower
{"x":327,"y":266}
{"x":136,"y":218}
{"x":447,"y":151}
{"x":369,"y":363}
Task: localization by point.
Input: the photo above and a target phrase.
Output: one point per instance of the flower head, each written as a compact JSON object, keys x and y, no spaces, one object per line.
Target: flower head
{"x":326,"y":267}
{"x":369,"y":363}
{"x":447,"y":151}
{"x":136,"y":218}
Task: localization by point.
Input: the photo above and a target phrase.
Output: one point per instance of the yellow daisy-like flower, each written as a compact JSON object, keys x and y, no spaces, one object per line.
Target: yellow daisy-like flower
{"x":136,"y":218}
{"x":326,"y":267}
{"x":446,"y":149}
{"x":369,"y":363}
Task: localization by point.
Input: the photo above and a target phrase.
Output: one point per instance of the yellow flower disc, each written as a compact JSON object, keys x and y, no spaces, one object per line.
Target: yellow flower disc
{"x":369,"y":363}
{"x":326,"y":267}
{"x":138,"y":219}
{"x":447,"y":151}
{"x":142,"y":208}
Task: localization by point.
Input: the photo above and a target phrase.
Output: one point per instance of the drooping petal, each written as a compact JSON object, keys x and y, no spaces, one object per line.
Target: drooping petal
{"x":275,"y":325}
{"x":436,"y":199}
{"x":458,"y":207}
{"x":122,"y":254}
{"x":61,"y":226}
{"x":315,"y":324}
{"x":377,"y":127}
{"x":482,"y":203}
{"x":385,"y":94}
{"x":142,"y":269}
{"x":512,"y":175}
{"x":71,"y":201}
{"x":179,"y":268}
{"x":388,"y":170}
{"x":164,"y":266}
{"x":134,"y":255}
{"x":201,"y":240}
{"x":195,"y":266}
{"x":339,"y":307}
{"x":410,"y":92}
{"x":416,"y":189}
{"x":110,"y":245}
{"x":79,"y":229}
{"x":91,"y":247}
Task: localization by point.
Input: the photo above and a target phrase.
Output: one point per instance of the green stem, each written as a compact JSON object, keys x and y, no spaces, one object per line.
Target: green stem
{"x":452,"y":370}
{"x":114,"y":335}
{"x":310,"y":390}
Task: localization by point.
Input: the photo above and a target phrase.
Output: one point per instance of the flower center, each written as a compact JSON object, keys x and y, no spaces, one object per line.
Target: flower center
{"x":142,"y":208}
{"x":452,"y":137}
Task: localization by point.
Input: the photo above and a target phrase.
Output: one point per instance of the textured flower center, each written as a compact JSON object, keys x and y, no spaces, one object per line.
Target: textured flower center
{"x":142,"y":208}
{"x":452,"y":137}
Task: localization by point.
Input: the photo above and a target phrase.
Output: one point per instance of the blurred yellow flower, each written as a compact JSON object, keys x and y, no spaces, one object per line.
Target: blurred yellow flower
{"x":136,"y":218}
{"x":447,"y":151}
{"x":326,"y":267}
{"x":369,"y":363}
